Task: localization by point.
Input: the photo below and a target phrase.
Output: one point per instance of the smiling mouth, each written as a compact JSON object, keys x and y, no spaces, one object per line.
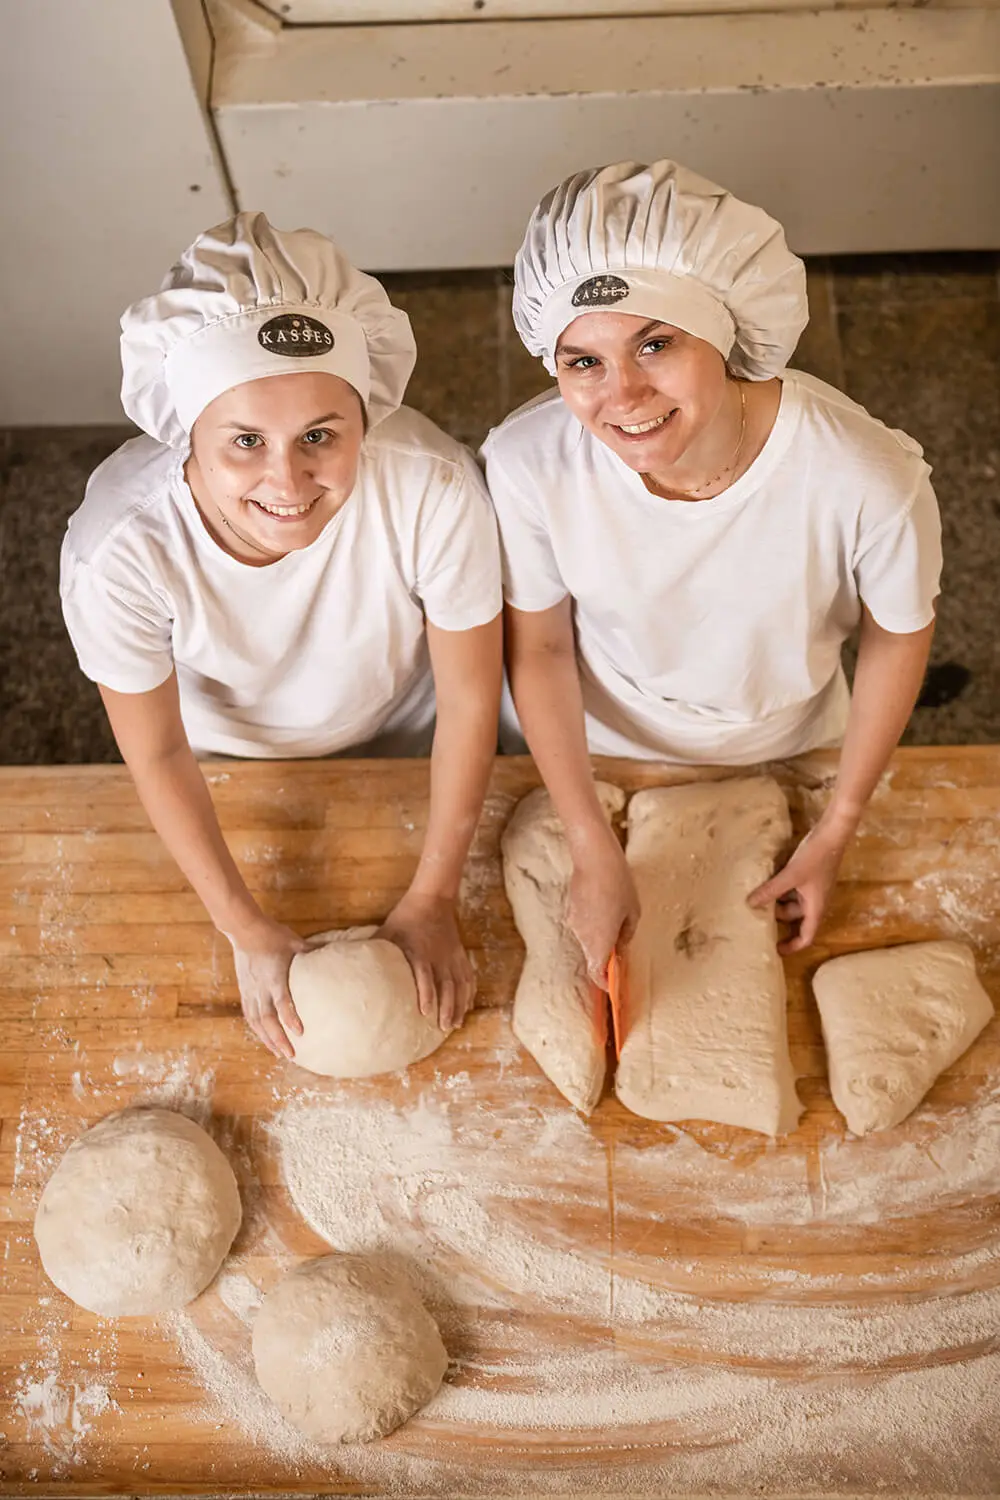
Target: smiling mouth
{"x":642,"y":429}
{"x":284,"y":512}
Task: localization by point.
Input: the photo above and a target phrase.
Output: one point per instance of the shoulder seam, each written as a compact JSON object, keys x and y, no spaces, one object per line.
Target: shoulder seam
{"x":118,"y":589}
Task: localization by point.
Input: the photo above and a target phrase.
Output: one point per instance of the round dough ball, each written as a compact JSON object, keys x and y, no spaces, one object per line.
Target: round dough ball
{"x":139,"y":1214}
{"x":346,"y":1350}
{"x":357,"y":1001}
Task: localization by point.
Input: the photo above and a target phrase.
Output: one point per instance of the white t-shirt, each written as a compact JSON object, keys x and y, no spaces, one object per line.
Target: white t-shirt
{"x":321,"y":651}
{"x":711,"y":630}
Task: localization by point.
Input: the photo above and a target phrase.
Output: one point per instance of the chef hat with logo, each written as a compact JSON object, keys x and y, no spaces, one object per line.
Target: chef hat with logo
{"x":247,"y":301}
{"x":660,"y":242}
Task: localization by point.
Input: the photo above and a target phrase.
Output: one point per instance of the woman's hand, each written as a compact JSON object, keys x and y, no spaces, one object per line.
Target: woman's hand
{"x":603,"y":903}
{"x":426,"y":929}
{"x":802,"y":889}
{"x":263,"y":954}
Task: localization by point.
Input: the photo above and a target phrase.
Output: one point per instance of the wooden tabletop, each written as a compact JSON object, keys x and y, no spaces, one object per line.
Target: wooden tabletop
{"x":703,"y":1280}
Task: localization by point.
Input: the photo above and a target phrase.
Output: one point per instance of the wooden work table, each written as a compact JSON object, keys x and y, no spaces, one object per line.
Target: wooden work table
{"x":106,"y":959}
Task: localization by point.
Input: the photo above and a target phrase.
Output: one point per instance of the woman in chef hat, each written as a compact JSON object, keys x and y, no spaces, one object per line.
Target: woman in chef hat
{"x":290,"y":563}
{"x":690,"y":530}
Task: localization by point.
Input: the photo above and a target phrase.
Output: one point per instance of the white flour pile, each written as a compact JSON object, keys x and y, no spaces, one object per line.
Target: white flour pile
{"x":433,"y":1182}
{"x":563,"y":1343}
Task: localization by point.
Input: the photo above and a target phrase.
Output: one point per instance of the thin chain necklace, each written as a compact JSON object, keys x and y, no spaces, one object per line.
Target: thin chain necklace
{"x":227,"y":523}
{"x":667,"y":493}
{"x":245,"y":539}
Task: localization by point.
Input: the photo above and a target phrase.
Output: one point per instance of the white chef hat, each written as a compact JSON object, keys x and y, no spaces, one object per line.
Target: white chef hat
{"x":661,"y":242}
{"x":247,"y":301}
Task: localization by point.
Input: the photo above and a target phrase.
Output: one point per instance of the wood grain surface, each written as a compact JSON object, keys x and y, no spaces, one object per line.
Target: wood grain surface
{"x":114,"y":989}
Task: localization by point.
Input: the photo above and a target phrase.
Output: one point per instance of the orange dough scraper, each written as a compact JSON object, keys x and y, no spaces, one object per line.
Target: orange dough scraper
{"x":615,"y":996}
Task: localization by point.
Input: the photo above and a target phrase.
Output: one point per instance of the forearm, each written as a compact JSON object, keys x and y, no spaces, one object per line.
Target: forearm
{"x":887,"y":683}
{"x":173,"y":792}
{"x":546,"y":689}
{"x":461,"y":762}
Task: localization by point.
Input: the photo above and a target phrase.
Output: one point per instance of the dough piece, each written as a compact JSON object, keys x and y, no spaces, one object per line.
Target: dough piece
{"x":346,"y":1350}
{"x":357,"y":1001}
{"x":893,"y":1020}
{"x":139,"y":1214}
{"x":559,"y":1016}
{"x":706,"y":1035}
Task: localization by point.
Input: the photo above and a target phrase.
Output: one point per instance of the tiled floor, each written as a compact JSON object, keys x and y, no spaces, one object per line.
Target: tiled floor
{"x":916,"y":339}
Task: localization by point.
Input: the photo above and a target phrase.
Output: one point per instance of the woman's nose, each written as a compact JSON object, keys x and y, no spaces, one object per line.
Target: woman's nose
{"x":628,"y":386}
{"x":287,"y":473}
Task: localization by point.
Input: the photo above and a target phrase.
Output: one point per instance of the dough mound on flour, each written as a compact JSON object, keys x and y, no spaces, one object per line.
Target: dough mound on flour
{"x":559,"y":1016}
{"x":346,"y":1350}
{"x":357,"y":1001}
{"x":893,"y":1020}
{"x":138,"y":1216}
{"x":706,"y":1033}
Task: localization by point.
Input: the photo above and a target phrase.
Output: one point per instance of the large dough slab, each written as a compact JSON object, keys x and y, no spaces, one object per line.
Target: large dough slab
{"x":893,"y":1020}
{"x":559,"y":1015}
{"x":706,"y":1034}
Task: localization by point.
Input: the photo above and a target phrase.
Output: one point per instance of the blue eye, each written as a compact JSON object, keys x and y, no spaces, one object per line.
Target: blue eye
{"x":656,"y":346}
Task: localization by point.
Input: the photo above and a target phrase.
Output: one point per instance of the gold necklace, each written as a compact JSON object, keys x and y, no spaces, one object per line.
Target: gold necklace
{"x":674,"y":494}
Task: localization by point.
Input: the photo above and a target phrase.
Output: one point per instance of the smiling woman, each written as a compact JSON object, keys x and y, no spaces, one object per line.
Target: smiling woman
{"x":265,"y":482}
{"x":289,"y":563}
{"x":691,"y":529}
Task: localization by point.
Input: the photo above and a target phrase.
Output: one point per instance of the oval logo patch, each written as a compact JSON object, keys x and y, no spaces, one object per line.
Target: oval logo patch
{"x":600,"y":291}
{"x":295,"y":335}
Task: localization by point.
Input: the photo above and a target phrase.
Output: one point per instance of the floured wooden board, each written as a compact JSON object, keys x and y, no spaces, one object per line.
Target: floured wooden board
{"x":631,"y":1308}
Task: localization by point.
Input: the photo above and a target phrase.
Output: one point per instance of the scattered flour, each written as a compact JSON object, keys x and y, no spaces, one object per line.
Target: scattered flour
{"x":61,"y":1416}
{"x":568,"y":1339}
{"x":435,"y":1184}
{"x":947,"y":1159}
{"x":232,"y":1383}
{"x":957,"y":903}
{"x":174,"y":1081}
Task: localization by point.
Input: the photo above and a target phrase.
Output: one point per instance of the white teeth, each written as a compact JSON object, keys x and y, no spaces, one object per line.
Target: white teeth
{"x":285,"y":510}
{"x":642,"y":426}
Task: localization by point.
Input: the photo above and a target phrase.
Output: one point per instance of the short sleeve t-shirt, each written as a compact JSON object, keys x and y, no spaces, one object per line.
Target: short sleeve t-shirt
{"x":712,"y":630}
{"x":324,"y":650}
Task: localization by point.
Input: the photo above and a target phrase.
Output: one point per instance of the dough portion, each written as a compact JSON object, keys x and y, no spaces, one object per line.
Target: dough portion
{"x":346,"y":1350}
{"x":138,"y":1216}
{"x":893,"y":1020}
{"x":357,"y":1000}
{"x":706,"y":1035}
{"x":559,"y":1016}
